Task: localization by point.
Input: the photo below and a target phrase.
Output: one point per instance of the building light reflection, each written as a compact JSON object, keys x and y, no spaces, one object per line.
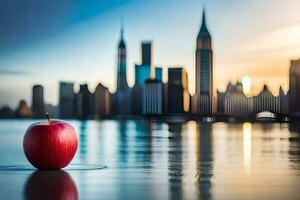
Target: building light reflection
{"x":247,"y":146}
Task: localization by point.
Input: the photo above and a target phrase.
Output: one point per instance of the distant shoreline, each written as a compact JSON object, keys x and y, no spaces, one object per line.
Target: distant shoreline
{"x":179,"y":118}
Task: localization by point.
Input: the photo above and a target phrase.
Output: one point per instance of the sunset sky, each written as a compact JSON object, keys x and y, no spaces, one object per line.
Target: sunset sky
{"x":47,"y":41}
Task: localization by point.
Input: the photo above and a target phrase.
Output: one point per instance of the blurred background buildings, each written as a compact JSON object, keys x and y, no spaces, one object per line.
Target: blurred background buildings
{"x":150,"y":96}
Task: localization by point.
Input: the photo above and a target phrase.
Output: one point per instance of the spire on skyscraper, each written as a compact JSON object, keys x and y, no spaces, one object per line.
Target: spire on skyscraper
{"x":122,"y":101}
{"x":204,"y":101}
{"x":203,"y":17}
{"x":121,"y":77}
{"x":203,"y":30}
{"x":122,"y":43}
{"x":122,"y":27}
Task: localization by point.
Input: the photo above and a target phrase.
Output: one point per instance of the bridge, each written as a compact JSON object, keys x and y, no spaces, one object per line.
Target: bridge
{"x":266,"y":115}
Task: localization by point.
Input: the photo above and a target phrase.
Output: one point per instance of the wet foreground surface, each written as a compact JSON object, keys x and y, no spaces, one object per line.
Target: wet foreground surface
{"x":143,"y":160}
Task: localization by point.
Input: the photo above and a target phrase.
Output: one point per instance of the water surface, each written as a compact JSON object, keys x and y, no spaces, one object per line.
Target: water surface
{"x":160,"y":160}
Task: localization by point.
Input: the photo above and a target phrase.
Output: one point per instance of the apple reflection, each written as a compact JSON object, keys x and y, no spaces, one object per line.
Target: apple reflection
{"x":50,"y":185}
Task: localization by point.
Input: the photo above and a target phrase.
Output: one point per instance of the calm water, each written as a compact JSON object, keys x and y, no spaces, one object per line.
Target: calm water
{"x":160,"y":161}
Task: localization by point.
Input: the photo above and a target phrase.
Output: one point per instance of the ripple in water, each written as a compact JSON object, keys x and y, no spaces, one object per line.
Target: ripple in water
{"x":72,"y":167}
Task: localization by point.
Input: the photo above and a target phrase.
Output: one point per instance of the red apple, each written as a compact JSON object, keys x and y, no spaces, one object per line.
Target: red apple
{"x":50,"y":144}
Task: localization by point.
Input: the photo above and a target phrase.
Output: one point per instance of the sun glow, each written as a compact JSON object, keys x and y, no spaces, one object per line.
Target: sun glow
{"x":246,"y":82}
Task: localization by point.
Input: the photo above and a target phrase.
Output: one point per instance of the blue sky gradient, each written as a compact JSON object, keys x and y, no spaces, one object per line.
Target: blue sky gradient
{"x":47,"y":41}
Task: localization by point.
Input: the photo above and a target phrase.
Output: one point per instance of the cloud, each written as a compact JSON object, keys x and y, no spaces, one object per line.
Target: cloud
{"x":279,"y":41}
{"x":13,"y":72}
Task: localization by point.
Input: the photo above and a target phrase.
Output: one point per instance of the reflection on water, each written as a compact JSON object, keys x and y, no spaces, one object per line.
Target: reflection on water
{"x":82,"y":139}
{"x":205,"y":161}
{"x":164,"y":160}
{"x":294,"y":143}
{"x":175,"y":161}
{"x":247,"y":145}
{"x":50,"y":185}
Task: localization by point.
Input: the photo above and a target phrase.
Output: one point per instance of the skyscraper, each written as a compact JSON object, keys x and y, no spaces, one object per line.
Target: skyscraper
{"x":178,"y":97}
{"x":147,"y":53}
{"x":84,"y":102}
{"x":204,"y":102}
{"x":284,"y":102}
{"x":66,"y":100}
{"x":158,"y":73}
{"x":153,"y":97}
{"x":142,"y":73}
{"x":121,"y":100}
{"x":102,"y":101}
{"x":294,"y":85}
{"x":122,"y":84}
{"x":37,"y":106}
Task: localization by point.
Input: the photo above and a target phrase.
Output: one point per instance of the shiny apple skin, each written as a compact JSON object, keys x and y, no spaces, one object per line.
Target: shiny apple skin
{"x":50,"y":146}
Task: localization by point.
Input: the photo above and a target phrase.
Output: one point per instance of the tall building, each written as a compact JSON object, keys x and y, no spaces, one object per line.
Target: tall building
{"x":66,"y":100}
{"x":142,"y":73}
{"x":220,"y":102}
{"x":153,"y":97}
{"x":284,"y":102}
{"x":136,"y":99}
{"x":122,"y":98}
{"x":178,"y":97}
{"x":146,"y":53}
{"x":294,"y":85}
{"x":158,"y":73}
{"x":84,"y":102}
{"x":37,"y":106}
{"x":102,"y":101}
{"x":204,"y":100}
{"x":122,"y":84}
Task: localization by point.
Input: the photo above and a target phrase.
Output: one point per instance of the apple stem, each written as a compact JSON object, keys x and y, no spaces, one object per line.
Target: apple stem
{"x":47,"y":116}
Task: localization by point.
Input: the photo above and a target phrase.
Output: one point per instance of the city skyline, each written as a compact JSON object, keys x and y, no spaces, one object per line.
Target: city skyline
{"x":150,"y":99}
{"x":14,"y":80}
{"x":153,"y":98}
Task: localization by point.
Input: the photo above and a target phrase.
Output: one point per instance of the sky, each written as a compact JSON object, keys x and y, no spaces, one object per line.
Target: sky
{"x":45,"y":41}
